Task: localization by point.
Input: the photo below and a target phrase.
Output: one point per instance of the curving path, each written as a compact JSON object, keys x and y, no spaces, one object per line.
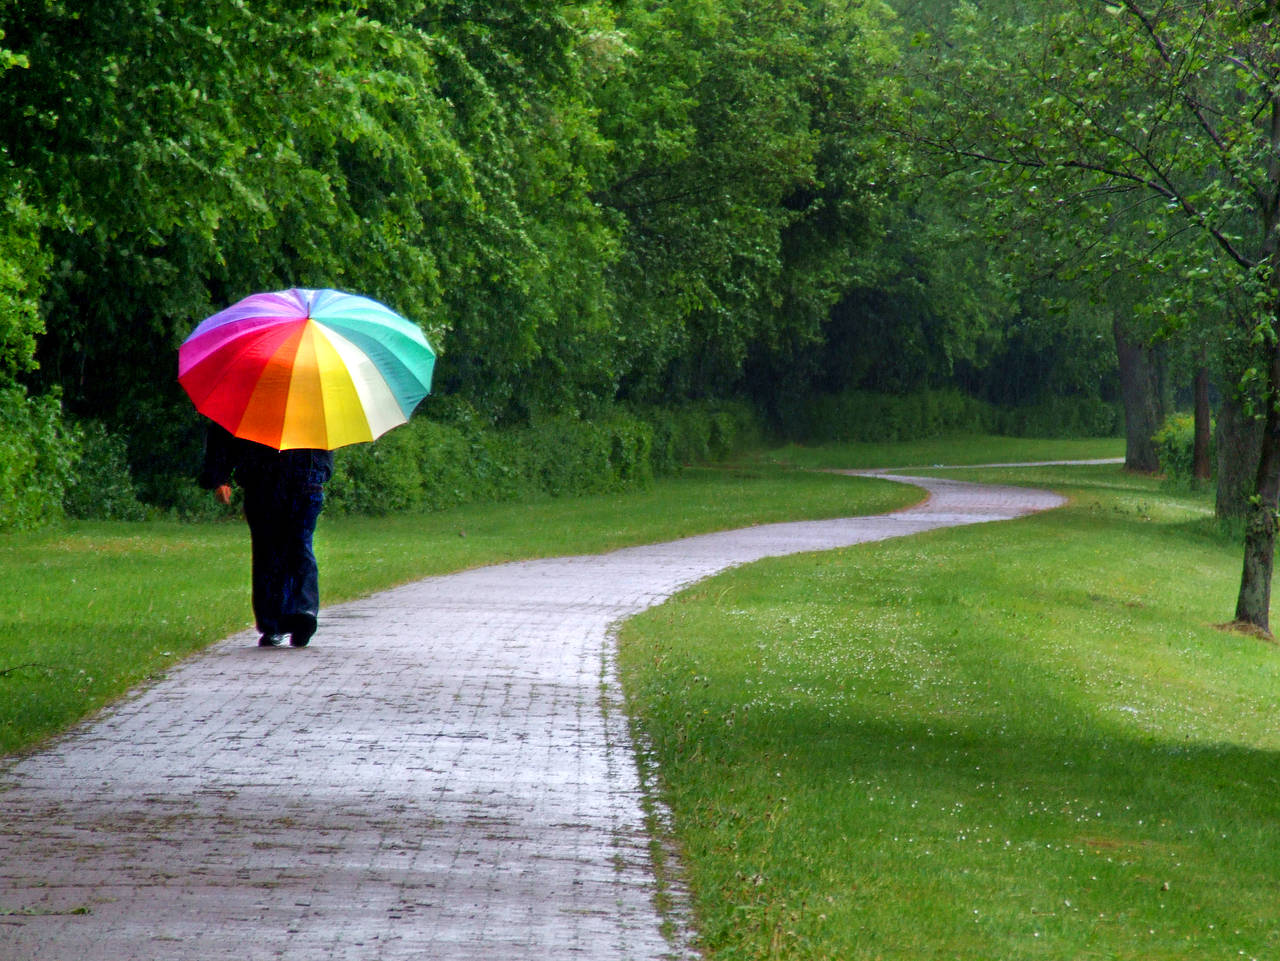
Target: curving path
{"x":444,"y":774}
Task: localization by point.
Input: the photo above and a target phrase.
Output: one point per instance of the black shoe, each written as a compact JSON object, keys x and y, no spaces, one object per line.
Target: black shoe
{"x":304,"y":626}
{"x":271,"y":640}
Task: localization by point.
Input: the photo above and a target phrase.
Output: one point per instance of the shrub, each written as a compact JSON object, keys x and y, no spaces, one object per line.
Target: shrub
{"x":869,"y":417}
{"x":427,"y":465}
{"x":1175,"y":447}
{"x":101,"y":486}
{"x":378,"y":478}
{"x":38,"y":449}
{"x":861,"y":416}
{"x":1061,"y":417}
{"x":698,"y":432}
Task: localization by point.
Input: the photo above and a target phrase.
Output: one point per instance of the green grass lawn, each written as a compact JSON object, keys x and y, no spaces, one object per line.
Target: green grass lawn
{"x":1009,"y":741}
{"x":89,"y":611}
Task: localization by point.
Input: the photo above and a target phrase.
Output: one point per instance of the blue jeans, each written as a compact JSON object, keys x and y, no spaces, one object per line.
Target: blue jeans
{"x":286,"y":582}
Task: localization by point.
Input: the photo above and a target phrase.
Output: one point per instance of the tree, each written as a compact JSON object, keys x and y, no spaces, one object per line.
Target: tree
{"x":528,"y":299}
{"x":1153,"y":116}
{"x":178,"y":146}
{"x":185,"y":155}
{"x":743,"y":178}
{"x":23,"y":260}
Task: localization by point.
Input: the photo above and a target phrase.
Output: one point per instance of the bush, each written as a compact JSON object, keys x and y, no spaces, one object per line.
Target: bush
{"x":1061,"y":417}
{"x":423,"y":465}
{"x":38,"y":449}
{"x":1175,"y":447}
{"x":427,"y":465}
{"x":378,"y":478}
{"x":101,"y":487}
{"x":861,"y":416}
{"x":698,"y":432}
{"x":569,"y":456}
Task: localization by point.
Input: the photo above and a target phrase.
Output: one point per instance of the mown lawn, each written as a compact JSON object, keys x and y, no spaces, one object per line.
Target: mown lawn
{"x":89,"y":611}
{"x":1018,"y":740}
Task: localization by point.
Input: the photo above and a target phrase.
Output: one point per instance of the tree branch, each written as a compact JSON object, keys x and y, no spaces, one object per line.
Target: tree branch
{"x":1156,"y":182}
{"x":1186,"y":91}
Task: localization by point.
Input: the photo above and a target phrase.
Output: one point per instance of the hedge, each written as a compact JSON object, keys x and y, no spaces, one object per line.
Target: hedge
{"x":38,"y":452}
{"x":101,"y":486}
{"x":428,"y":465}
{"x":432,"y":464}
{"x":869,"y":417}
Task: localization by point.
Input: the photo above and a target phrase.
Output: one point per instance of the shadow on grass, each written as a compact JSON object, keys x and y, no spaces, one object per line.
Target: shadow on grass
{"x":909,"y":829}
{"x":1155,"y":781}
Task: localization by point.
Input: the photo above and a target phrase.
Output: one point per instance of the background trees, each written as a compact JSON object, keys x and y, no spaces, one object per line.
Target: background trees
{"x":580,"y":202}
{"x":747,"y":195}
{"x":584,"y":204}
{"x":1145,"y":136}
{"x":184,"y":155}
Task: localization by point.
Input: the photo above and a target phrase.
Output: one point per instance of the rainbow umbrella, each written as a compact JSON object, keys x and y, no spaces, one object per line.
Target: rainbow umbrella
{"x":306,"y":368}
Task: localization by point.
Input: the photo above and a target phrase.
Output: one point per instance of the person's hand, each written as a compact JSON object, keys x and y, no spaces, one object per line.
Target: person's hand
{"x":223,"y":494}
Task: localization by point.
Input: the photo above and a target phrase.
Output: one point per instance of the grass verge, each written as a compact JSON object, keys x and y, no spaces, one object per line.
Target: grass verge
{"x":1018,"y":741}
{"x":90,"y":611}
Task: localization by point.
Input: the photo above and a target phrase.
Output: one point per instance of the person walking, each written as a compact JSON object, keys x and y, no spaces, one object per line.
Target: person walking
{"x":283,"y":497}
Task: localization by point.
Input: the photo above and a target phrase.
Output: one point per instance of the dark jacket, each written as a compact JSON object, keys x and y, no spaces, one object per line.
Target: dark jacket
{"x":255,"y":465}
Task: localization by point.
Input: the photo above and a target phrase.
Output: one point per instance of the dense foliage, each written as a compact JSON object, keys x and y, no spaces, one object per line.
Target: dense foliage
{"x":37,"y":457}
{"x":582,"y":204}
{"x":429,"y":465}
{"x":871,"y":416}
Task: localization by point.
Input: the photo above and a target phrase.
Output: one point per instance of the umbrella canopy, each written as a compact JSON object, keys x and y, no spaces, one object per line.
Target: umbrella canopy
{"x":306,"y":368}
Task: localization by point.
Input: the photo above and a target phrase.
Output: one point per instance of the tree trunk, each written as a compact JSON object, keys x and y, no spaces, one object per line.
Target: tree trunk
{"x":1239,"y":440}
{"x":1253,"y":606}
{"x":1201,"y":469}
{"x":1140,"y":392}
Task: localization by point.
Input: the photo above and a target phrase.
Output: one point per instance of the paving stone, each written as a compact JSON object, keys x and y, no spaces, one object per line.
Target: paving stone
{"x":446,"y":773}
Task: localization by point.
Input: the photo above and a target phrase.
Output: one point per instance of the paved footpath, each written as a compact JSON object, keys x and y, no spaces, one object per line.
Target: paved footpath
{"x":444,"y":774}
